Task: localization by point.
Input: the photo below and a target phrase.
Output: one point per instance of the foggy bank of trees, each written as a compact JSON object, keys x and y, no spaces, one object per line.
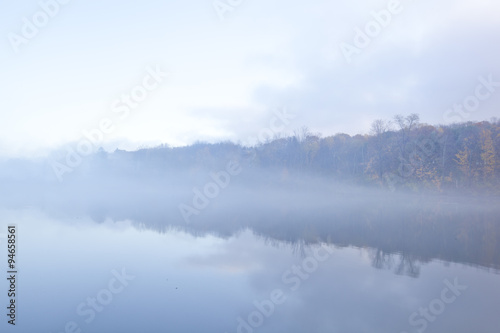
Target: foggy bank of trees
{"x":398,"y":154}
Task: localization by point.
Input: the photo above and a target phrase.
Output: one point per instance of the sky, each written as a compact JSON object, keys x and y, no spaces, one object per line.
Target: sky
{"x":205,"y":70}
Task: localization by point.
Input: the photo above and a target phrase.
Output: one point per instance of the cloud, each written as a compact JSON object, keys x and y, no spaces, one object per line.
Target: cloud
{"x":227,"y":75}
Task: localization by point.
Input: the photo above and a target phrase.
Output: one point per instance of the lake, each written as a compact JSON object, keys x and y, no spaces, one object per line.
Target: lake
{"x":273,"y":262}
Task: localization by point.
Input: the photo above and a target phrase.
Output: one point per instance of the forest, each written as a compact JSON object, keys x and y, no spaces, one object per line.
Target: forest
{"x":400,"y":153}
{"x":397,"y":154}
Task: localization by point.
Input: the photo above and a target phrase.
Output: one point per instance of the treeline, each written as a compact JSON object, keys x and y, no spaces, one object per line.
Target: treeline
{"x":400,"y":153}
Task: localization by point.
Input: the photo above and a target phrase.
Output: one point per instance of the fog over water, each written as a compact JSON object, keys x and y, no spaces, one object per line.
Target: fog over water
{"x":275,"y":203}
{"x":237,"y":247}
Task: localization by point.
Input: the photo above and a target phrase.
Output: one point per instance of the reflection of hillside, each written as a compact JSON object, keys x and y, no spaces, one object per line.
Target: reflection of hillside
{"x":417,"y":229}
{"x":413,"y":227}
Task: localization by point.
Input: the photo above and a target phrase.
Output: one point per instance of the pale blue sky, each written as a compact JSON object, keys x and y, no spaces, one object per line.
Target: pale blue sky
{"x":227,"y":77}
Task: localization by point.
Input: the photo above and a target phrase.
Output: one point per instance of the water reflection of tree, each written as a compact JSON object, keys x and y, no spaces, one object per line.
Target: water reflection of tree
{"x":408,"y":265}
{"x":401,"y":263}
{"x":381,"y":259}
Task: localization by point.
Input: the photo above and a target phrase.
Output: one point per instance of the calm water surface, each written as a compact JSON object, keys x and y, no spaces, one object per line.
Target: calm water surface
{"x":433,"y":268}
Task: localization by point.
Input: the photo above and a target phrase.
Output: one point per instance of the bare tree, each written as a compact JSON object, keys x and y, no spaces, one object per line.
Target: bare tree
{"x":406,"y":125}
{"x":379,"y":127}
{"x":302,"y":133}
